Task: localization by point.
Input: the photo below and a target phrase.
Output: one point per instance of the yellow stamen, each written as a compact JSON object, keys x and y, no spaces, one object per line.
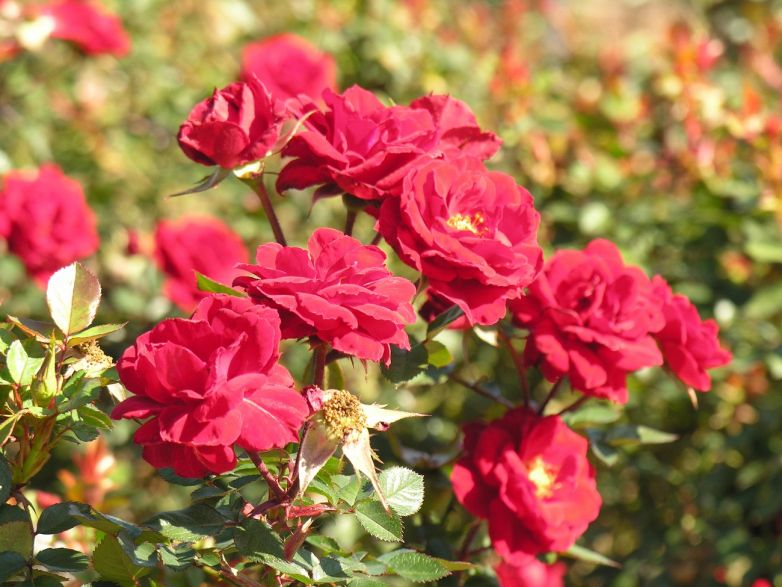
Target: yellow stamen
{"x":473,"y":224}
{"x":542,"y":477}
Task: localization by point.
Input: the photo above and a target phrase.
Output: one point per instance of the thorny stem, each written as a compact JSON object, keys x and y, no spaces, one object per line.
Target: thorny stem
{"x":274,"y":485}
{"x":518,"y":363}
{"x":483,"y":391}
{"x":257,"y":185}
{"x":574,"y":406}
{"x":319,"y":368}
{"x":550,"y":396}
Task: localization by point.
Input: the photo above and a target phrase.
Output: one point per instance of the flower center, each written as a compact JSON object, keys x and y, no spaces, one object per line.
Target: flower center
{"x":542,"y":477}
{"x":473,"y":224}
{"x":342,"y":414}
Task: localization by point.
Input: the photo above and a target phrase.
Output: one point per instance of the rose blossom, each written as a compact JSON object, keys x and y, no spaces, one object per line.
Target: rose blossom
{"x":591,"y":319}
{"x":237,"y":125}
{"x":690,"y":345}
{"x":357,"y":146}
{"x":458,"y":132}
{"x":88,"y":25}
{"x":207,"y":383}
{"x":46,"y":221}
{"x":289,"y":66}
{"x":471,"y":232}
{"x":338,"y":290}
{"x":530,"y":478}
{"x":187,"y":245}
{"x":532,"y":573}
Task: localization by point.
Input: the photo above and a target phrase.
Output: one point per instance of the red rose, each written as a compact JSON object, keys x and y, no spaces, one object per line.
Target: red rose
{"x":471,"y":232}
{"x":46,"y":221}
{"x":339,"y":290}
{"x":237,"y":125}
{"x":187,"y":245}
{"x":533,"y":573}
{"x":530,"y":478}
{"x":88,"y":25}
{"x":591,"y":319}
{"x":289,"y":66}
{"x":458,"y":132}
{"x":690,"y":345}
{"x":357,"y":146}
{"x":207,"y":383}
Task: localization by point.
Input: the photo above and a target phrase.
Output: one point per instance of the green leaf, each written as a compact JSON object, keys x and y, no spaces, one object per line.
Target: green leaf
{"x":438,"y":354}
{"x":16,"y":531}
{"x":443,"y":320}
{"x":324,"y":543}
{"x":113,"y":564}
{"x":24,"y":360}
{"x":62,"y":559}
{"x":10,"y":564}
{"x":6,"y":478}
{"x":206,"y":183}
{"x":169,"y":475}
{"x":42,"y":331}
{"x":378,"y":523}
{"x":406,"y":364}
{"x":208,"y":284}
{"x":415,"y":567}
{"x":592,"y":414}
{"x":189,"y":524}
{"x":403,"y":489}
{"x":633,"y":435}
{"x":765,"y":302}
{"x":6,"y":338}
{"x":44,"y":386}
{"x":366,"y":582}
{"x":605,"y":453}
{"x":584,"y":554}
{"x":73,"y":295}
{"x":349,"y":486}
{"x":55,"y":519}
{"x":254,"y":538}
{"x":94,"y":417}
{"x":95,"y":333}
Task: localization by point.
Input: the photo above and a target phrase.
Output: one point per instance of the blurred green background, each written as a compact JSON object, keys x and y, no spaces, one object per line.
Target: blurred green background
{"x":656,"y":124}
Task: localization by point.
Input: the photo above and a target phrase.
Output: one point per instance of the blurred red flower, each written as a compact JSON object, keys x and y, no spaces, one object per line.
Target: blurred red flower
{"x":530,"y":478}
{"x":338,"y":290}
{"x":208,"y":382}
{"x":690,"y":345}
{"x":45,"y":221}
{"x":289,"y":66}
{"x":187,"y":245}
{"x":591,"y":319}
{"x":532,"y":573}
{"x":237,"y":125}
{"x":471,"y":232}
{"x":89,"y":26}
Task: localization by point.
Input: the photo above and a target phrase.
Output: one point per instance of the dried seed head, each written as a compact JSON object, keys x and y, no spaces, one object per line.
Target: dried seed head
{"x":342,"y":414}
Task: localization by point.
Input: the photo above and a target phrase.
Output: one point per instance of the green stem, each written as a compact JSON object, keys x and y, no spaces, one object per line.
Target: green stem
{"x":551,"y":395}
{"x":257,"y":185}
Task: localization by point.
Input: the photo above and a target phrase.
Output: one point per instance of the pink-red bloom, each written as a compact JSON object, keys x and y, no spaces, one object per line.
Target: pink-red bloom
{"x":690,"y":345}
{"x":189,"y":245}
{"x":207,"y":383}
{"x":289,"y":66}
{"x":88,"y":25}
{"x":471,"y":232}
{"x":458,"y":132}
{"x":591,"y":319}
{"x":530,"y":478}
{"x":357,"y":146}
{"x":237,"y":125}
{"x":45,"y":221}
{"x":532,"y":573}
{"x":338,"y":290}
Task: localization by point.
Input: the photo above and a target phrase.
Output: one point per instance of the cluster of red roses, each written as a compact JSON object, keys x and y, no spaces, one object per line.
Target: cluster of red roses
{"x":84,"y":23}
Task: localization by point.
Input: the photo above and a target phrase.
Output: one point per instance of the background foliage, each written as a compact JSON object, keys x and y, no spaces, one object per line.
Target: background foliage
{"x":609,"y":118}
